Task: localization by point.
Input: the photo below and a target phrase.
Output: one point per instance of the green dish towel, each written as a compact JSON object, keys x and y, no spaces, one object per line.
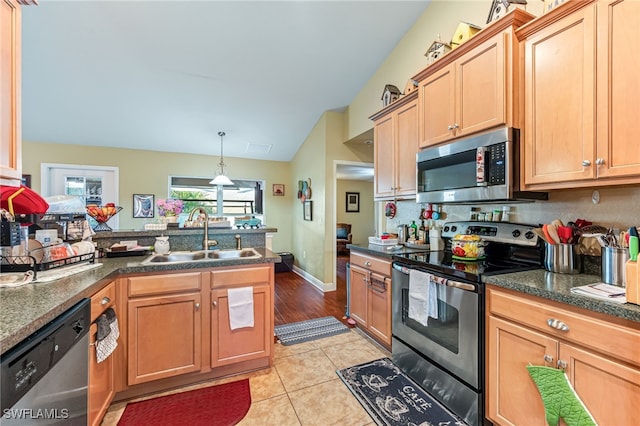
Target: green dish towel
{"x":559,"y":397}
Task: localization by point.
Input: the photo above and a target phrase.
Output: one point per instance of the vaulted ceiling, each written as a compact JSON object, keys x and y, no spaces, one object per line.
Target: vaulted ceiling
{"x":168,"y":75}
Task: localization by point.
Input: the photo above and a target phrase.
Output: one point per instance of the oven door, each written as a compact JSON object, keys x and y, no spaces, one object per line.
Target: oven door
{"x":452,"y":339}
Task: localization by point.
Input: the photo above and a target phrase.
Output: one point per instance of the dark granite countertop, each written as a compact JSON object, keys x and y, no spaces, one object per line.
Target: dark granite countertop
{"x":384,"y":251}
{"x":24,"y":309}
{"x":552,"y":286}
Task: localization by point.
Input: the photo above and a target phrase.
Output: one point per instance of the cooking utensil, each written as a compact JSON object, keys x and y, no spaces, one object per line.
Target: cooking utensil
{"x":540,"y":234}
{"x":547,"y":236}
{"x":552,"y":229}
{"x":565,"y":233}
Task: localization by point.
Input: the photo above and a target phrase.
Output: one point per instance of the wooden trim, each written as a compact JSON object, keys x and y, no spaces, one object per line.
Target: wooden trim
{"x":565,"y":9}
{"x":397,"y":104}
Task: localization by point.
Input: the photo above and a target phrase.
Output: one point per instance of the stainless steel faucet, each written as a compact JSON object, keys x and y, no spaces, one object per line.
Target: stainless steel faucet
{"x":206,"y":242}
{"x":238,"y":242}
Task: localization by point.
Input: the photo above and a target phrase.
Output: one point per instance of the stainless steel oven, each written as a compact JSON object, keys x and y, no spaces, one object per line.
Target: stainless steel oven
{"x":438,"y":312}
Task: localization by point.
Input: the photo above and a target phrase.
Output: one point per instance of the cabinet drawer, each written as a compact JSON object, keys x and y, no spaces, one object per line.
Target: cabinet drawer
{"x":240,"y":276}
{"x":155,"y":284}
{"x":371,"y":263}
{"x":103,"y":300}
{"x":596,"y":333}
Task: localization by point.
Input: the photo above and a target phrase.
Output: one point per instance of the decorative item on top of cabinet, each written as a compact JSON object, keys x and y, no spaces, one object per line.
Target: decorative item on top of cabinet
{"x":390,"y":94}
{"x":463,"y":32}
{"x":499,"y":8}
{"x":551,"y":4}
{"x":437,"y":49}
{"x":411,"y":86}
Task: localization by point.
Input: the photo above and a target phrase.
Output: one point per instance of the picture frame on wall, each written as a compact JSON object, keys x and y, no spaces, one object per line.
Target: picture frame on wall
{"x":143,"y":205}
{"x":353,"y":202}
{"x":278,"y":190}
{"x":308,"y":210}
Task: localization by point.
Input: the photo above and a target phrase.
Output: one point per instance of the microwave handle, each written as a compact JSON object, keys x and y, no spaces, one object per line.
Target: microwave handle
{"x":482,"y":171}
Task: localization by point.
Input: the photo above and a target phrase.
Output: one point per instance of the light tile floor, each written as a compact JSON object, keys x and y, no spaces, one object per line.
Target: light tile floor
{"x":302,"y":387}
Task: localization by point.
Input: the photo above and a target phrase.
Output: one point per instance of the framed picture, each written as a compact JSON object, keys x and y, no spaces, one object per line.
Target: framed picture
{"x":278,"y":189}
{"x":308,"y":210}
{"x":353,"y":202}
{"x":143,"y":205}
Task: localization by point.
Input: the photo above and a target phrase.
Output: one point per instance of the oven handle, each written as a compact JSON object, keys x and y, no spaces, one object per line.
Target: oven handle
{"x":447,"y":282}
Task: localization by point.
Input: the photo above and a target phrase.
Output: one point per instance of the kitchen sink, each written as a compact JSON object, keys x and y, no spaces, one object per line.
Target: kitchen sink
{"x":201,"y":256}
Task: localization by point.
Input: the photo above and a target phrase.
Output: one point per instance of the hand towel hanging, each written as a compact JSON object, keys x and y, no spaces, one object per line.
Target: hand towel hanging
{"x":240,"y":307}
{"x":107,"y":334}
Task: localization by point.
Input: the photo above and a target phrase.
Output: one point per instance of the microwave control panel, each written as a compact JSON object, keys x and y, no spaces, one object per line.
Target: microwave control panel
{"x":495,"y":164}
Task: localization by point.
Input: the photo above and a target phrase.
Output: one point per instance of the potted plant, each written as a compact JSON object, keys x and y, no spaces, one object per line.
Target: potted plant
{"x":169,"y":209}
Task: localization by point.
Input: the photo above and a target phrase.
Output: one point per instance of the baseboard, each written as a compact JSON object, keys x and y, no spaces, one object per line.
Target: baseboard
{"x":323,"y":287}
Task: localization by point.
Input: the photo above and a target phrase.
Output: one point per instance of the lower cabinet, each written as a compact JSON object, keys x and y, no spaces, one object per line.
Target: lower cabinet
{"x":599,"y":357}
{"x":164,"y":326}
{"x":101,"y":374}
{"x":242,"y":344}
{"x":370,"y":296}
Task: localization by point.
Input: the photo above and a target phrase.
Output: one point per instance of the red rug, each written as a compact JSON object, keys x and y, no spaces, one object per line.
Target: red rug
{"x":221,"y":405}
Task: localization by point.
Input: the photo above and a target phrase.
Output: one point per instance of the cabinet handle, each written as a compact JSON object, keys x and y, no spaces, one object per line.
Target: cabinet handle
{"x":214,"y":303}
{"x":197,"y":306}
{"x":548,"y":358}
{"x":557,"y":324}
{"x":105,"y":300}
{"x":599,"y":161}
{"x":456,"y":126}
{"x":562,"y":364}
{"x":586,"y":163}
{"x":367,"y":263}
{"x":450,"y":127}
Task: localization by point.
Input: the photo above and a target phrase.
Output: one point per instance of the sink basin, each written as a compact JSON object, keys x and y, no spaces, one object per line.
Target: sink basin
{"x":201,"y":256}
{"x":233,"y":254}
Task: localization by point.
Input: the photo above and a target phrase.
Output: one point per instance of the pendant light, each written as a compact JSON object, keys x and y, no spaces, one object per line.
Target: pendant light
{"x":221,"y":179}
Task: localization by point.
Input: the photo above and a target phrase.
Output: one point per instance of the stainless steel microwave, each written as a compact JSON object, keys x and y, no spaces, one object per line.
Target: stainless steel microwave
{"x":480,"y":168}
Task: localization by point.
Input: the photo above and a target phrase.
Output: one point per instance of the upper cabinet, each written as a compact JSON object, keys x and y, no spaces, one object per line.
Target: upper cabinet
{"x":10,"y":138}
{"x":473,"y":87}
{"x":395,"y":146}
{"x":580,"y":79}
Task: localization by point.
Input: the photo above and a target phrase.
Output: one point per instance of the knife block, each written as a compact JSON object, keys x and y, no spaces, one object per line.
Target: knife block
{"x":633,"y":285}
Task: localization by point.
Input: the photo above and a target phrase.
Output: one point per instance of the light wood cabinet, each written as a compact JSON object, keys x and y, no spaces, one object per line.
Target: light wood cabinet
{"x":578,"y":112}
{"x":473,"y":87}
{"x":395,"y":147}
{"x":164,"y":326}
{"x":242,"y":344}
{"x":101,"y":375}
{"x":370,"y":296}
{"x":598,"y":355}
{"x":10,"y":83}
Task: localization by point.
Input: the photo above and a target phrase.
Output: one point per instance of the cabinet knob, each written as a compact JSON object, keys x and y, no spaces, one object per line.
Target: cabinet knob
{"x":456,"y":126}
{"x":214,"y":303}
{"x":562,"y":364}
{"x":557,"y":324}
{"x":599,"y":161}
{"x":197,"y":306}
{"x":367,"y":263}
{"x":548,"y":358}
{"x":105,"y":300}
{"x":586,"y":163}
{"x":450,"y":127}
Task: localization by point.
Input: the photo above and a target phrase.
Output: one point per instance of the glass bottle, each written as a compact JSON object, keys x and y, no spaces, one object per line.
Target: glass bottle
{"x":413,"y":230}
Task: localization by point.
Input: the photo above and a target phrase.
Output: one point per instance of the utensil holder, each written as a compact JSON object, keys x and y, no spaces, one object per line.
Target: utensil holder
{"x":613,"y":265}
{"x":563,"y":258}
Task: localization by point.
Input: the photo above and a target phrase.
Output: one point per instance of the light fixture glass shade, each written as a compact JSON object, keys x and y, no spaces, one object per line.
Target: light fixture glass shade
{"x":221,"y":180}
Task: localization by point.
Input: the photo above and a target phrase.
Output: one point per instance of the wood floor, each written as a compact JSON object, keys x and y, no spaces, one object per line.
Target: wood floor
{"x":298,"y":300}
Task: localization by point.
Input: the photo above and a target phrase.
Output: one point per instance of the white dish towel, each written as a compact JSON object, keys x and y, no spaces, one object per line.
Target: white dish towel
{"x":423,"y":297}
{"x":240,"y":307}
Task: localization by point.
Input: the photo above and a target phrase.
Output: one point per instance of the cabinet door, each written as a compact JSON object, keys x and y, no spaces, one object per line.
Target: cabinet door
{"x":481,"y":87}
{"x":610,"y":390}
{"x":10,"y":137}
{"x":101,"y":384}
{"x":164,"y":337}
{"x":379,"y":300}
{"x":559,"y":131}
{"x":242,"y":344}
{"x":358,"y":295}
{"x":384,"y":157}
{"x":618,"y":89}
{"x":437,"y":107}
{"x":406,"y":149}
{"x":513,"y":398}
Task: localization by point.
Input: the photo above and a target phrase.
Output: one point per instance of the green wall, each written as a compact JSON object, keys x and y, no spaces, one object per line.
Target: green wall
{"x":363,"y":222}
{"x":147,"y":172}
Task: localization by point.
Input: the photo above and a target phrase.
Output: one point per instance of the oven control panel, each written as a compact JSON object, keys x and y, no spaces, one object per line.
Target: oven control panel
{"x":502,"y":232}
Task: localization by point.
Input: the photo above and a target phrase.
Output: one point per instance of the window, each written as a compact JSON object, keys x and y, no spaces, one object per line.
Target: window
{"x":244,"y":198}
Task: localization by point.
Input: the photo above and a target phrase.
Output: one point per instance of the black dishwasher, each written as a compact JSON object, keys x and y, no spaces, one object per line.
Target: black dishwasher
{"x":45,"y":377}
